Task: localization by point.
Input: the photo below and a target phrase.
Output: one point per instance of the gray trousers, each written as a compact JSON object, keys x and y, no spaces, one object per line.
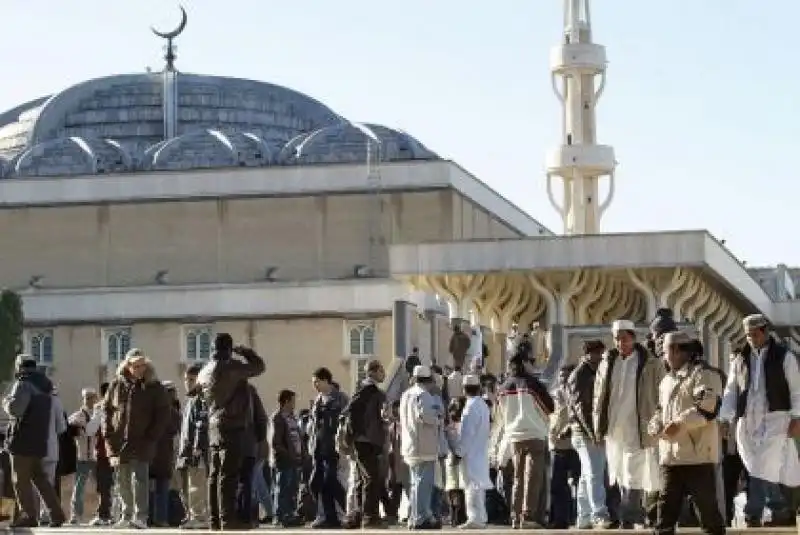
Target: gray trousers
{"x":133,"y":488}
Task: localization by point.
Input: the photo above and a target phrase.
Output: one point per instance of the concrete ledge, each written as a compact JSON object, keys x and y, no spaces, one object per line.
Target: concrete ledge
{"x":786,"y":313}
{"x":104,"y":305}
{"x":693,"y":248}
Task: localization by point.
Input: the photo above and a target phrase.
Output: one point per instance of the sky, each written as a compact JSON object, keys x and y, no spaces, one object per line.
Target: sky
{"x":701,"y":102}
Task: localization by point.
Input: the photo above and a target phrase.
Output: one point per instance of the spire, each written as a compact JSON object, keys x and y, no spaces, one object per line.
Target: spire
{"x":578,"y":69}
{"x":169,"y":50}
{"x":170,"y":78}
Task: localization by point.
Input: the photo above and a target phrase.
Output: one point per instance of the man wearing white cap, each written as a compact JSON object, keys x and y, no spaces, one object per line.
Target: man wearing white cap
{"x":626,"y":397}
{"x":763,"y":391}
{"x":689,"y":441}
{"x":475,"y":433}
{"x":420,"y":421}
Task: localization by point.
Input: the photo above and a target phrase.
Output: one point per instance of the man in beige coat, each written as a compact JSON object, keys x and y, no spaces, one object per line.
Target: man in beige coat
{"x":690,"y":396}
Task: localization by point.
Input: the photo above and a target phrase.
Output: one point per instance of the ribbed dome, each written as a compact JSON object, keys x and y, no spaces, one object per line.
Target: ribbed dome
{"x":115,"y":124}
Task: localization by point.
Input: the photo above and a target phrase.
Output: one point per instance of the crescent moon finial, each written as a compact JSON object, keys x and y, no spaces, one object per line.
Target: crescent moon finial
{"x":169,"y":36}
{"x":177,"y":31}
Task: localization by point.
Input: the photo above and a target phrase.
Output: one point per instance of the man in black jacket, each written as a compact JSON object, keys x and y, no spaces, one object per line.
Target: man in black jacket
{"x":369,"y":433}
{"x":592,"y":508}
{"x":225,"y":387}
{"x":29,"y":405}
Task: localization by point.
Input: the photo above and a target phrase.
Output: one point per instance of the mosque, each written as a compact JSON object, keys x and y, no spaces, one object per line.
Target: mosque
{"x":155,"y":209}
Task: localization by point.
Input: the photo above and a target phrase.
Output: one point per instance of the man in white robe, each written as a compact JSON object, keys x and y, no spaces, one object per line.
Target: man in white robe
{"x":475,"y":434}
{"x":763,"y":391}
{"x":626,"y":397}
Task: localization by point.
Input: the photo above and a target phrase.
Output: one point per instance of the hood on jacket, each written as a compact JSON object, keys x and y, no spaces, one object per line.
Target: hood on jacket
{"x":149,"y":374}
{"x":37,"y":379}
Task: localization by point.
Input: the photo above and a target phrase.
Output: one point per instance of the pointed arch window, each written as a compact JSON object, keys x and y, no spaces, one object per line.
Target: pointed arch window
{"x":117,"y":344}
{"x":361,"y":340}
{"x":197,"y":343}
{"x":40,"y":347}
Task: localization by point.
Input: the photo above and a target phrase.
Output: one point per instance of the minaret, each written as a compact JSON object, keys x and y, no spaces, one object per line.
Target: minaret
{"x":578,"y":68}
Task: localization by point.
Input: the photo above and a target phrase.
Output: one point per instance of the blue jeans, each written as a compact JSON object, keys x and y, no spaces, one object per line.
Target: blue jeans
{"x":591,"y":485}
{"x":420,"y":494}
{"x":761,"y":493}
{"x":261,"y":488}
{"x":82,"y":471}
{"x":286,"y":484}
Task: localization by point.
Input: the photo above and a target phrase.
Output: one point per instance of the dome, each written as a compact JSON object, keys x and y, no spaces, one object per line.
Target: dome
{"x":116,"y":124}
{"x":349,"y":142}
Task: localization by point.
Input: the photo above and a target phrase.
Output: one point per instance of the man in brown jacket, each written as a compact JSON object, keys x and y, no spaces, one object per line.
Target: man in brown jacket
{"x":134,"y":408}
{"x":459,"y":345}
{"x":685,"y":424}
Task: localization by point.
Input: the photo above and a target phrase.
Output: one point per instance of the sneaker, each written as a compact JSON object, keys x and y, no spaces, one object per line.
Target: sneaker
{"x":73,"y":521}
{"x":137,"y":524}
{"x":602,"y":523}
{"x":194,"y":524}
{"x":472,"y":525}
{"x":122,"y":523}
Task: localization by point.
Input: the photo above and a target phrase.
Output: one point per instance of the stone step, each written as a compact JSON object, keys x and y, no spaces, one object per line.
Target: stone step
{"x":68,"y":530}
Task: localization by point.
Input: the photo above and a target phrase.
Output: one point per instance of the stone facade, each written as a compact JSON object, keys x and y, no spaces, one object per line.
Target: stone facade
{"x":226,"y":241}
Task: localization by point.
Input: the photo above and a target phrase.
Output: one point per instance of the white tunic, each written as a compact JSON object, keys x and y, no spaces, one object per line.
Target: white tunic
{"x":475,"y":433}
{"x":629,"y":465}
{"x":766,"y":450}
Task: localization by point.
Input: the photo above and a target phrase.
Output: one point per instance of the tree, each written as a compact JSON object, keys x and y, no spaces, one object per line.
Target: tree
{"x":11,"y":325}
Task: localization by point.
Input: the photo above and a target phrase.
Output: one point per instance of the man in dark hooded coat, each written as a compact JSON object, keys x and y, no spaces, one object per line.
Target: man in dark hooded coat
{"x":230,"y":421}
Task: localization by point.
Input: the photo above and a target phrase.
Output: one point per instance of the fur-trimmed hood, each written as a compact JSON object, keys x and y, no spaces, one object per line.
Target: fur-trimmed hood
{"x":149,"y":374}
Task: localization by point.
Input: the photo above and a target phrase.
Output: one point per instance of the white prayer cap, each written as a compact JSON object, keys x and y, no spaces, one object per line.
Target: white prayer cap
{"x":422,"y":372}
{"x":622,"y":325}
{"x":88,"y":391}
{"x":755,"y":321}
{"x":472,"y":380}
{"x":169,"y":385}
{"x":678,"y":338}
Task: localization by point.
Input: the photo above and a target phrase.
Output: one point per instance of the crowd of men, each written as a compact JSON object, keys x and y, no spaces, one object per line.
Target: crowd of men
{"x":639,"y":435}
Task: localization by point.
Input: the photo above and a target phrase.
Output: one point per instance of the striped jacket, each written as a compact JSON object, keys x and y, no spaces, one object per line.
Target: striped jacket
{"x":524,"y":405}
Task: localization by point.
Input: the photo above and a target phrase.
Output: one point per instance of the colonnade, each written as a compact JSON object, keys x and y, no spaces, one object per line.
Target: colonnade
{"x":561,"y":301}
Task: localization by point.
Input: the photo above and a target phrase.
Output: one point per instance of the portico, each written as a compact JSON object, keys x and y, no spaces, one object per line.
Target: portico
{"x":574,"y":286}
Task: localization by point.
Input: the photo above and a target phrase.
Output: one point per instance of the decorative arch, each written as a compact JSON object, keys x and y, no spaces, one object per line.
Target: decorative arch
{"x":196,"y":150}
{"x":57,"y":157}
{"x":349,"y":142}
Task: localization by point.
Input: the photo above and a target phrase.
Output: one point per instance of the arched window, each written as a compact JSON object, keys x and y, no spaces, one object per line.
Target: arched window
{"x":360,"y":349}
{"x":40,"y":346}
{"x":361,"y":340}
{"x":118,"y":343}
{"x":197,"y":344}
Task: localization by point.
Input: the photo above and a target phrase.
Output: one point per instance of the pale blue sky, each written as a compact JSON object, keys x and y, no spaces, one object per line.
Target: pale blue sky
{"x":701,"y":102}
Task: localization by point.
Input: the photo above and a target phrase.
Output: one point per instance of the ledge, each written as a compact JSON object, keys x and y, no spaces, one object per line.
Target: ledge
{"x":158,"y":303}
{"x":275,"y":181}
{"x":693,"y":248}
